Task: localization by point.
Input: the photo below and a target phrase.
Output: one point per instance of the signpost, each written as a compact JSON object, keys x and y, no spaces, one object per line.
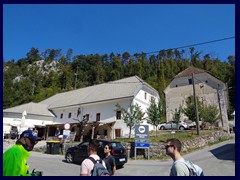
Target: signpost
{"x":67,"y":132}
{"x":141,"y":138}
{"x":67,"y":126}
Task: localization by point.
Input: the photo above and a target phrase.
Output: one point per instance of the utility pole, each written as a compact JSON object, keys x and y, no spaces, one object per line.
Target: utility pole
{"x":196,"y":106}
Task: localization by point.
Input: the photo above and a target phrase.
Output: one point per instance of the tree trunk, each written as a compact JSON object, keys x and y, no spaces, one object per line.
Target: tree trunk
{"x":156,"y":131}
{"x":130,"y":132}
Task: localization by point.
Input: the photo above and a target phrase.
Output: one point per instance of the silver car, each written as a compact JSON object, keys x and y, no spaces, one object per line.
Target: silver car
{"x":173,"y":125}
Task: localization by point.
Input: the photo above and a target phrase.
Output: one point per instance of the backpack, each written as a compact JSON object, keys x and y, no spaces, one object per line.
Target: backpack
{"x":98,"y":168}
{"x":194,"y":170}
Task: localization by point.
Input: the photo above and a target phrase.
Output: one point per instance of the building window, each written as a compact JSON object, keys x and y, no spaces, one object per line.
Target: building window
{"x":61,"y":116}
{"x":69,"y":115}
{"x":105,"y":132}
{"x":118,"y":114}
{"x":190,"y":81}
{"x":145,"y":96}
{"x":153,"y":98}
{"x":98,"y":117}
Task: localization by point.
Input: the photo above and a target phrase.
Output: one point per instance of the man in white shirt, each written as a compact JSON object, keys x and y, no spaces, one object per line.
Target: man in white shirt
{"x":173,"y":148}
{"x":87,"y":164}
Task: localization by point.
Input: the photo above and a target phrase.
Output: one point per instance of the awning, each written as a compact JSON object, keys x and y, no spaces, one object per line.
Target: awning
{"x":108,"y":121}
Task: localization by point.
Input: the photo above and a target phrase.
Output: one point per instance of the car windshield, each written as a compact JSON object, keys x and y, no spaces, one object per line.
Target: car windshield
{"x":84,"y":144}
{"x":116,"y":145}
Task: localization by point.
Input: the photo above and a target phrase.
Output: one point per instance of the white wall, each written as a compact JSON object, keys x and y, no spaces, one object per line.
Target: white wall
{"x":107,"y":111}
{"x":145,"y":103}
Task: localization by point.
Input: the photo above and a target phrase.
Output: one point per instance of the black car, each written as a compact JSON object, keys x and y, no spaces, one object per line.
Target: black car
{"x":80,"y":152}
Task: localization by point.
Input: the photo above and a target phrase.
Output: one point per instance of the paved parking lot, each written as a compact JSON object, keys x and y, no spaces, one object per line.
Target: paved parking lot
{"x":216,"y":160}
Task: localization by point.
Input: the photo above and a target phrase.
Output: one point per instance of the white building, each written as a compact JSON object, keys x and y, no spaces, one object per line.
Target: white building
{"x":97,"y":103}
{"x":30,"y":115}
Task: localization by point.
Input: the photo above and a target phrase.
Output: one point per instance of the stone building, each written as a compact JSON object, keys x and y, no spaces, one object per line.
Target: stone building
{"x":208,"y":89}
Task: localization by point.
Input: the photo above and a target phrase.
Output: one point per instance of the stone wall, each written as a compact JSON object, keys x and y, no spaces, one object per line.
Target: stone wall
{"x":158,"y":149}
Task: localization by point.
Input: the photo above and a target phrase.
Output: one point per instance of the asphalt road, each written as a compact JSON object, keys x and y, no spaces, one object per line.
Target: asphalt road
{"x":216,"y":160}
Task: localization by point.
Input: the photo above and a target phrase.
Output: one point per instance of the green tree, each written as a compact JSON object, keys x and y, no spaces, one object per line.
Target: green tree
{"x":189,"y":110}
{"x":155,"y":113}
{"x":210,"y":114}
{"x":177,"y":115}
{"x":33,"y":55}
{"x":131,"y":116}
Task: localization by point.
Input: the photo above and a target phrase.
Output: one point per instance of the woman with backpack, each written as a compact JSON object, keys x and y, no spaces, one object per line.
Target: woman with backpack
{"x":109,"y":160}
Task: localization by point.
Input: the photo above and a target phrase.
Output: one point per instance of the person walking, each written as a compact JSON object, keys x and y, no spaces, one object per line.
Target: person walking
{"x":180,"y":166}
{"x":57,"y":133}
{"x":109,"y":160}
{"x":35,"y":131}
{"x":15,"y":158}
{"x":173,"y":148}
{"x":87,"y":165}
{"x":61,"y":144}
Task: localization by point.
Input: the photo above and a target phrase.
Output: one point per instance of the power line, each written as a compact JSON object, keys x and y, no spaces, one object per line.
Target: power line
{"x":197,"y":44}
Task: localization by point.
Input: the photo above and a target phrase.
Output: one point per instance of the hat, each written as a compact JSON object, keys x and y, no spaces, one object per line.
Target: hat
{"x":30,"y":134}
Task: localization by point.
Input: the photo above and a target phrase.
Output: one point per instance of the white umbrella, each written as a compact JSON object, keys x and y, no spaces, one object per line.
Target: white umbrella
{"x":22,"y":124}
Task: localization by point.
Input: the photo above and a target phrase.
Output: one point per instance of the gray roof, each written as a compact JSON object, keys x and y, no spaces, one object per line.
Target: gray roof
{"x":31,"y":108}
{"x":189,"y":71}
{"x":123,"y":88}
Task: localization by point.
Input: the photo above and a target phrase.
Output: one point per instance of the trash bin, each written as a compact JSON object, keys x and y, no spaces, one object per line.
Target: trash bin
{"x":53,"y":147}
{"x":49,"y":148}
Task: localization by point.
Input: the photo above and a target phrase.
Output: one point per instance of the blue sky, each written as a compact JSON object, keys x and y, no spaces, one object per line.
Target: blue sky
{"x":106,"y":28}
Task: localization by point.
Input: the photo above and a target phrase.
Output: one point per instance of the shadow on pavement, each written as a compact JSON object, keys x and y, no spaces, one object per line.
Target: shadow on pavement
{"x":225,"y":152}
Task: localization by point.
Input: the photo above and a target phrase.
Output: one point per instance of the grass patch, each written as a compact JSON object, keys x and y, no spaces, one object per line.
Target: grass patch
{"x":162,"y":136}
{"x":219,"y":140}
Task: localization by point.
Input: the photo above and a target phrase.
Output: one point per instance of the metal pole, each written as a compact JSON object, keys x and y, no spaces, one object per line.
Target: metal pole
{"x":135,"y":152}
{"x":148,"y":153}
{"x":196,"y":105}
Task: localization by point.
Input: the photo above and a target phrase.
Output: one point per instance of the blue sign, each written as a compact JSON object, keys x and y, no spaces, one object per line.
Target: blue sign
{"x":141,"y":136}
{"x":141,"y":144}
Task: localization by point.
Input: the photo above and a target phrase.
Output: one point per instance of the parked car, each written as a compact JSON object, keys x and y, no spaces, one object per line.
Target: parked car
{"x":173,"y":125}
{"x":192,"y":124}
{"x":80,"y":152}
